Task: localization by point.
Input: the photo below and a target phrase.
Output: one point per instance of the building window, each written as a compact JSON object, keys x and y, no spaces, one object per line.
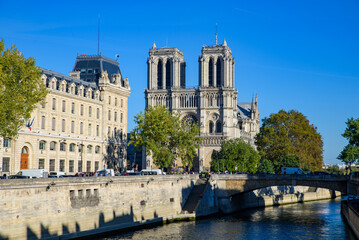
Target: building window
{"x":73,"y":108}
{"x":80,"y":148}
{"x":109,"y":100}
{"x":218,"y":127}
{"x":121,"y":103}
{"x":63,"y":106}
{"x":121,"y":118}
{"x":63,"y":125}
{"x":88,"y":166}
{"x":62,"y":146}
{"x":82,"y":110}
{"x":43,"y":105}
{"x":115,"y":117}
{"x":115,"y":101}
{"x":98,"y":113}
{"x":41,"y":163}
{"x":79,"y":167}
{"x":168,"y":74}
{"x":97,"y":149}
{"x":42,"y":122}
{"x":7,"y":143}
{"x":89,"y":129}
{"x":97,"y":130}
{"x":72,"y":126}
{"x":71,"y":166}
{"x":109,"y":132}
{"x":89,"y":149}
{"x":219,"y":72}
{"x":81,"y":127}
{"x":72,"y":147}
{"x":62,"y":165}
{"x":5,"y":164}
{"x":210,"y":127}
{"x":109,"y":115}
{"x":52,"y":164}
{"x":42,"y":145}
{"x":53,"y":124}
{"x":210,"y":73}
{"x":159,"y":75}
{"x":52,"y":146}
{"x":90,"y":111}
{"x":96,"y":165}
{"x":54,"y":104}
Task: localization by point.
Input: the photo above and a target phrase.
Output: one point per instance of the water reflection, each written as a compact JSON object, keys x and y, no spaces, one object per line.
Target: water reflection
{"x":313,"y":220}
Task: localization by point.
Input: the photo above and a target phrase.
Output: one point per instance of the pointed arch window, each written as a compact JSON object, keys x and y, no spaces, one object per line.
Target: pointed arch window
{"x":219,"y":72}
{"x":159,"y":74}
{"x":218,"y":127}
{"x":168,"y":74}
{"x":211,"y":127}
{"x":210,"y":73}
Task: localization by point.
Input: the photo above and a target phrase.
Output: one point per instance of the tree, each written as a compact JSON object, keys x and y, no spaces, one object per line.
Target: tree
{"x":266,"y":166}
{"x":350,"y":154}
{"x":165,"y":137}
{"x":235,"y":155}
{"x":21,"y":88}
{"x":290,"y":133}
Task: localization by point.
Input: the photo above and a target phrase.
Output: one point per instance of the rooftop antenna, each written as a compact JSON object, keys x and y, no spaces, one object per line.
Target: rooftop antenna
{"x":98,"y":37}
{"x":216,"y":32}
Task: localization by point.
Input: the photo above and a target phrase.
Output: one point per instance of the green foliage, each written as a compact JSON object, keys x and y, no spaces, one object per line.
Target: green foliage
{"x":165,"y":137}
{"x":21,"y":88}
{"x":352,"y":131}
{"x":290,"y":133}
{"x":235,"y":155}
{"x":286,"y":161}
{"x":334,"y":169}
{"x":266,"y":166}
{"x":350,"y":154}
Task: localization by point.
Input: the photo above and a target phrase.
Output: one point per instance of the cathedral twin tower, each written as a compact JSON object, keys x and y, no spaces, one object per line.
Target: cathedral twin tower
{"x":213,"y":104}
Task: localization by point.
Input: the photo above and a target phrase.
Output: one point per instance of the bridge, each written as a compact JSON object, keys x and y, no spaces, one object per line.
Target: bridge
{"x":229,"y":185}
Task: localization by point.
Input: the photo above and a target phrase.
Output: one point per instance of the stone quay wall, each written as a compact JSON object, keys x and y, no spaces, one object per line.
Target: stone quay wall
{"x":77,"y":207}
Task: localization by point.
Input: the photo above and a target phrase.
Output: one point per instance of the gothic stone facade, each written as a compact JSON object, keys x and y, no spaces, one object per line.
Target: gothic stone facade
{"x":213,"y":104}
{"x":72,"y":132}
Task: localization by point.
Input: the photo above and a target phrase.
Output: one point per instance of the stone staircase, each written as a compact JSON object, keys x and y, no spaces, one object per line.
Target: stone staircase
{"x":195,"y":196}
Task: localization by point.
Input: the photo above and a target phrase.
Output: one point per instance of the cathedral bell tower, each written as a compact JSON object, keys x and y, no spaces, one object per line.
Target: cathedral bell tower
{"x":216,"y":67}
{"x":166,"y":68}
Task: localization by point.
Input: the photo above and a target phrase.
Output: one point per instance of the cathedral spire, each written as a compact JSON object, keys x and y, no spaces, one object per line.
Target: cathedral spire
{"x":154,"y":45}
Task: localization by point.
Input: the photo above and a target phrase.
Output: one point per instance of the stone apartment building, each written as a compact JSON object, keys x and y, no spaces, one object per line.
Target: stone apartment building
{"x":212,"y":104}
{"x":81,"y":128}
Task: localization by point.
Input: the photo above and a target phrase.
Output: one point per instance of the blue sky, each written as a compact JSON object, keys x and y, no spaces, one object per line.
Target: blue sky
{"x":301,"y":55}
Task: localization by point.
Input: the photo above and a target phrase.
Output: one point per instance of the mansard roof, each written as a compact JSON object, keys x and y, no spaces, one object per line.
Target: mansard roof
{"x":59,"y":76}
{"x":244,"y":110}
{"x":91,"y":66}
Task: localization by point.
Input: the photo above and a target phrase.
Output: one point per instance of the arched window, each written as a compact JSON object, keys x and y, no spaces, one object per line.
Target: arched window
{"x":89,"y":149}
{"x":219,"y":72}
{"x":159,"y":74}
{"x":97,"y":149}
{"x":42,"y":145}
{"x":168,"y":74}
{"x":210,"y":73}
{"x":52,"y":146}
{"x":211,"y":127}
{"x":218,"y":127}
{"x":72,"y":147}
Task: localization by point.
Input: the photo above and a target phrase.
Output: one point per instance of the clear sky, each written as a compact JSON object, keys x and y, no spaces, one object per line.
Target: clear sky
{"x":301,"y":55}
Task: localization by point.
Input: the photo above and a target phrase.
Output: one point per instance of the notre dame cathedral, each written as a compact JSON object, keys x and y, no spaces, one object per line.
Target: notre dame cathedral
{"x":213,"y":104}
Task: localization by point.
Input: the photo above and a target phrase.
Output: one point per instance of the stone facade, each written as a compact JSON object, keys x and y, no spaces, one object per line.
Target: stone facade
{"x":213,"y":104}
{"x":77,"y":115}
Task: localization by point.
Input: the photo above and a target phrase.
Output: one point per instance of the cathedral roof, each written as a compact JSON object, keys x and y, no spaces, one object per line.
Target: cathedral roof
{"x":244,"y":110}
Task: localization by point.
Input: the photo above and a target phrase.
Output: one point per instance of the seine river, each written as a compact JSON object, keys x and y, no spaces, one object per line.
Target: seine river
{"x":311,"y":220}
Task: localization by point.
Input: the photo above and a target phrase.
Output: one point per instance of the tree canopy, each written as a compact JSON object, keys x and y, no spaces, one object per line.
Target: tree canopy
{"x":165,"y":137}
{"x":235,"y":155}
{"x":350,"y":154}
{"x":21,"y":89}
{"x":290,"y":133}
